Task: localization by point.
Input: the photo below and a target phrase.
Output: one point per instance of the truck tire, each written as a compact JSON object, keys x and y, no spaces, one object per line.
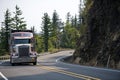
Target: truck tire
{"x":13,"y":64}
{"x":34,"y":63}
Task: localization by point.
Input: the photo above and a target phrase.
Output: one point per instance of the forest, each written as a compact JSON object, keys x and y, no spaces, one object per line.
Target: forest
{"x":94,"y":33}
{"x":54,"y":35}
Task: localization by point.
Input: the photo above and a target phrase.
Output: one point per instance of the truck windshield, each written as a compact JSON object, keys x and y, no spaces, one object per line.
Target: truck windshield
{"x":21,"y":41}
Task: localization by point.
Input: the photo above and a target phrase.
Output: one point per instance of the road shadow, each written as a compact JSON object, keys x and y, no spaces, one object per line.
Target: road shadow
{"x":7,"y":63}
{"x":42,"y":75}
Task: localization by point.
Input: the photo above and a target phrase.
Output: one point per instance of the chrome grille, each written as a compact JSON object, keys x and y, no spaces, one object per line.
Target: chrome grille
{"x":23,"y":51}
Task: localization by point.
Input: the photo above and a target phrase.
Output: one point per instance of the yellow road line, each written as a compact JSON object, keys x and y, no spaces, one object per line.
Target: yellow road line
{"x":69,"y":73}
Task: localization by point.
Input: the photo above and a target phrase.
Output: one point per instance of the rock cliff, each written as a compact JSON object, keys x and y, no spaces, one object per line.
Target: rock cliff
{"x":100,"y":45}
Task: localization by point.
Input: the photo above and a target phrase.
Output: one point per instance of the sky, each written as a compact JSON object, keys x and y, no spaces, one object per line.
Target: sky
{"x":33,"y":10}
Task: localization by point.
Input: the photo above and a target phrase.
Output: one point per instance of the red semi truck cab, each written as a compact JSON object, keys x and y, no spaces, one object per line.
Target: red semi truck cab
{"x":22,"y":47}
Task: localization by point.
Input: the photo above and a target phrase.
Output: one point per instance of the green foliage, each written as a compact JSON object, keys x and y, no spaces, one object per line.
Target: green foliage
{"x":40,"y":45}
{"x":55,"y":30}
{"x":82,"y":29}
{"x":51,"y":32}
{"x":5,"y":32}
{"x":10,"y":23}
{"x":83,"y":14}
{"x":69,"y":36}
{"x":53,"y":50}
{"x":74,"y":22}
{"x":46,"y":27}
{"x":52,"y":42}
{"x":2,"y":52}
{"x":55,"y":34}
{"x":2,"y":38}
{"x":18,"y":22}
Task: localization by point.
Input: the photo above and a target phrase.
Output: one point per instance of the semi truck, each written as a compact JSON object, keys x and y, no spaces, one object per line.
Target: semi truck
{"x":22,"y":47}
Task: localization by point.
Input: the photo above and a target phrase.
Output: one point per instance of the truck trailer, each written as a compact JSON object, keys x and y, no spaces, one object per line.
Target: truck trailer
{"x":22,"y":47}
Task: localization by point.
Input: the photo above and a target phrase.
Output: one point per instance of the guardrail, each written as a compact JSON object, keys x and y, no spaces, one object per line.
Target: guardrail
{"x":41,"y":54}
{"x":4,"y":57}
{"x":8,"y":57}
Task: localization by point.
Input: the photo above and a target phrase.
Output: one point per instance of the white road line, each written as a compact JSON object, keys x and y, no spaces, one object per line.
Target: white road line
{"x":58,"y":60}
{"x":3,"y":76}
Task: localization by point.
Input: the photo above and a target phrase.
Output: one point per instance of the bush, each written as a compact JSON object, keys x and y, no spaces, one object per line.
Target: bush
{"x":53,"y":50}
{"x":3,"y":52}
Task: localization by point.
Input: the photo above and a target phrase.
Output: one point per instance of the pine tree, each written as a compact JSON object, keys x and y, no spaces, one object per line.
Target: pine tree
{"x":68,"y":17}
{"x":46,"y":26}
{"x":55,"y":29}
{"x":33,"y":29}
{"x":74,"y":22}
{"x":5,"y":28}
{"x":80,"y":13}
{"x":7,"y":23}
{"x":70,"y":32}
{"x":18,"y":22}
{"x":2,"y":38}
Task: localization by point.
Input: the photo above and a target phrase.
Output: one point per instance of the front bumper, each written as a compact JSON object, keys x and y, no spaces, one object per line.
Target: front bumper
{"x":24,"y":60}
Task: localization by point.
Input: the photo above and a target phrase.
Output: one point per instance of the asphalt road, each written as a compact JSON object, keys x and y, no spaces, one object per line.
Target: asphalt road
{"x":50,"y":68}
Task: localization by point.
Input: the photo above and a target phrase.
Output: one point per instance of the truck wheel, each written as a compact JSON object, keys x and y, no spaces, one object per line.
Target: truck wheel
{"x":13,"y":64}
{"x":34,"y":63}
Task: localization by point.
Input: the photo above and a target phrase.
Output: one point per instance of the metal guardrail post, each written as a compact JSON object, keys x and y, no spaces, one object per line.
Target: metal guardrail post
{"x":4,"y":57}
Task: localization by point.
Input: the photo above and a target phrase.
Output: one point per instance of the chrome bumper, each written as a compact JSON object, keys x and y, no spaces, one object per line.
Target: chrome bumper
{"x":24,"y":60}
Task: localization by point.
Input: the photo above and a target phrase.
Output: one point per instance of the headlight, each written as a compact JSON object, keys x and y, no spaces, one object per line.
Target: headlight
{"x":15,"y":54}
{"x":33,"y":53}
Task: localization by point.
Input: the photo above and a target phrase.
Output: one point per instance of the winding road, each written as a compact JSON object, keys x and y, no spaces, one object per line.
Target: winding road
{"x":49,"y":67}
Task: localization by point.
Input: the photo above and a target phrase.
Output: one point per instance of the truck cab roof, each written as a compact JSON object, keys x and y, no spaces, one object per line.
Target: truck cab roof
{"x":12,"y":31}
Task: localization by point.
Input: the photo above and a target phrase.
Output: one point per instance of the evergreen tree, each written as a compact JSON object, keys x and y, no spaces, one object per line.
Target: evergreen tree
{"x":2,"y":38}
{"x":7,"y":23}
{"x":69,"y":36}
{"x":18,"y":22}
{"x":68,"y":17}
{"x":80,"y":19}
{"x":3,"y":50}
{"x":46,"y":26}
{"x":83,"y":15}
{"x":10,"y":23}
{"x":70,"y":32}
{"x":74,"y":22}
{"x":5,"y":29}
{"x":33,"y":29}
{"x":55,"y":29}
